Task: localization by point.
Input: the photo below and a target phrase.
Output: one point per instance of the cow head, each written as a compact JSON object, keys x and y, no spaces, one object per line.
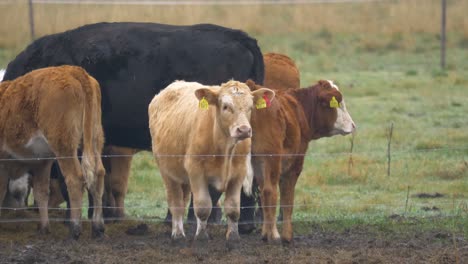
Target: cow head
{"x":329,"y":116}
{"x":234,"y":102}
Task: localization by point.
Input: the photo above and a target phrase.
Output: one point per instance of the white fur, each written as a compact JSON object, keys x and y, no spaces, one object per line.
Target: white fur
{"x":2,"y":73}
{"x":19,"y":185}
{"x":248,"y":180}
{"x":344,"y":123}
{"x":39,"y":145}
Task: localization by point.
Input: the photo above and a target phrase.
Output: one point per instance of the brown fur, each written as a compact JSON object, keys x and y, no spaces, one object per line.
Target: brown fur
{"x":49,"y":113}
{"x":295,"y":117}
{"x":280,"y":72}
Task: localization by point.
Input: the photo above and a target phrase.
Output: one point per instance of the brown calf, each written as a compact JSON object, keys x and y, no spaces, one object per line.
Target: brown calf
{"x":283,"y":131}
{"x":49,"y":113}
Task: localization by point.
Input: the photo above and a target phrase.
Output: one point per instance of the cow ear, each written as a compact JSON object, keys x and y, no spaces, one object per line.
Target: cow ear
{"x":207,"y":94}
{"x":263,"y":97}
{"x":252,"y":85}
{"x":330,"y":98}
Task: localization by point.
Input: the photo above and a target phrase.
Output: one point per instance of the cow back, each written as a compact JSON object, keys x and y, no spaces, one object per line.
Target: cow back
{"x":134,"y":61}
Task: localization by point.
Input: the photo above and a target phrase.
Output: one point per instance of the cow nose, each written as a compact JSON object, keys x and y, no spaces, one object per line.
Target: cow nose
{"x":243,"y":132}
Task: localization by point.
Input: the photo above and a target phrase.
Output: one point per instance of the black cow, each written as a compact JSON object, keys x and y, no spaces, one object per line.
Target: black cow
{"x":134,"y":61}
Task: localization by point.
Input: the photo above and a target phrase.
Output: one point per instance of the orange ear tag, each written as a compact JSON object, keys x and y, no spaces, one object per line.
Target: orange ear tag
{"x":334,"y":103}
{"x":203,"y":104}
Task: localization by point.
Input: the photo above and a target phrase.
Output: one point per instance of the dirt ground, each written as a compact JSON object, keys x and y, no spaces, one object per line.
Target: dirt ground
{"x":134,"y":242}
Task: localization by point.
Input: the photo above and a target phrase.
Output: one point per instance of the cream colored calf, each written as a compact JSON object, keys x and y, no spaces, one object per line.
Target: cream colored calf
{"x":201,"y":136}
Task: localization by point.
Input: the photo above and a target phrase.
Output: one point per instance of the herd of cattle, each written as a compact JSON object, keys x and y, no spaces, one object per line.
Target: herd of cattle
{"x":219,"y":116}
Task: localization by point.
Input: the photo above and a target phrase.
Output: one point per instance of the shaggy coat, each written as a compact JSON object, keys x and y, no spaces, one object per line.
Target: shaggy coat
{"x":200,"y":146}
{"x":51,"y":113}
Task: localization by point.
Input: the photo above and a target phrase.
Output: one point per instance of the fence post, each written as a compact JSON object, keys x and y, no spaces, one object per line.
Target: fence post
{"x":350,"y":160}
{"x":31,"y":20}
{"x":389,"y":156}
{"x":442,"y":33}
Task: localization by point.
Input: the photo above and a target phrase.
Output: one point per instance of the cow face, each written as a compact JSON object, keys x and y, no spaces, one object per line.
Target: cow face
{"x":331,"y":116}
{"x":234,"y":103}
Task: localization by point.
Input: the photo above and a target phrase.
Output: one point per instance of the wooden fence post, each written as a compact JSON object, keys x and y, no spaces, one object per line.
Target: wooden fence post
{"x":389,"y":156}
{"x":31,"y":20}
{"x":442,"y":33}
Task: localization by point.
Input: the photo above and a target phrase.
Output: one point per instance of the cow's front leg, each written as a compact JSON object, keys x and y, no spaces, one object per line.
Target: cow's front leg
{"x":232,"y":210}
{"x":202,"y":205}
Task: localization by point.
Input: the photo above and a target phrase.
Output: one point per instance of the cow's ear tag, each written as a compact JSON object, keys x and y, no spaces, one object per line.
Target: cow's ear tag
{"x":334,"y":103}
{"x":263,"y":102}
{"x":203,"y":104}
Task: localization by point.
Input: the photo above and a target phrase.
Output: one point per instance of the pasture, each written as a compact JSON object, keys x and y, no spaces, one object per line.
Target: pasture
{"x":385,"y":58}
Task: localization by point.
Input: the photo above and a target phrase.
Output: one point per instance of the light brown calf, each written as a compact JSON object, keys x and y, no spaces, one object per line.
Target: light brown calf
{"x":284,"y":131}
{"x":201,"y":136}
{"x":49,"y":113}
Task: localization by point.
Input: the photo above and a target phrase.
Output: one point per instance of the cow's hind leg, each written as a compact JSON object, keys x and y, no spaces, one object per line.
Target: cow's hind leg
{"x":175,"y":200}
{"x":75,"y":182}
{"x":287,"y":186}
{"x":41,"y":178}
{"x":96,"y":189}
{"x":3,"y":184}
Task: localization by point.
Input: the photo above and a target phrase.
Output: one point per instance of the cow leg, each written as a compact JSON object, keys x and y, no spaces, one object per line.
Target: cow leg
{"x":247,"y":213}
{"x":269,"y":197}
{"x":96,"y":190}
{"x":202,"y":206}
{"x":3,"y":185}
{"x":216,"y":213}
{"x":175,"y":200}
{"x":41,"y":178}
{"x":232,"y":210}
{"x":75,"y":182}
{"x":287,"y":186}
{"x":119,"y":182}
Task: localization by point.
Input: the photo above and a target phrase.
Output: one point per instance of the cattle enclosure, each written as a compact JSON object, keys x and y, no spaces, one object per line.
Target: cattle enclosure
{"x":385,"y":57}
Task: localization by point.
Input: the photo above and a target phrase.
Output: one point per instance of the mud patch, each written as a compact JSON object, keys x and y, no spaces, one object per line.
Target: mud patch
{"x":151,"y":243}
{"x":429,"y":195}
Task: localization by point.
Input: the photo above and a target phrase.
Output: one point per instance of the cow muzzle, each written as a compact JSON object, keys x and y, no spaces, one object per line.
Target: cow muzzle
{"x":242,"y":132}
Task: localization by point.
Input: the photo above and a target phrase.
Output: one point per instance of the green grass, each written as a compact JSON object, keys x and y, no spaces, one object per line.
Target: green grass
{"x":385,"y":79}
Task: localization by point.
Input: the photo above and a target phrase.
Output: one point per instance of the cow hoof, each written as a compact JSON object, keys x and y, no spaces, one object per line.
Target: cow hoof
{"x":75,"y":231}
{"x":246,"y":228}
{"x":233,"y":241}
{"x":179,"y":241}
{"x":43,"y":231}
{"x":202,"y":237}
{"x":139,"y":230}
{"x":97,"y":231}
{"x":287,"y":242}
{"x":271,"y":240}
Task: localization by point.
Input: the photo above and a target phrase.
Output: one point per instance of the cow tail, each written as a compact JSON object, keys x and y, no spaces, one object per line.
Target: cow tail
{"x":88,"y":161}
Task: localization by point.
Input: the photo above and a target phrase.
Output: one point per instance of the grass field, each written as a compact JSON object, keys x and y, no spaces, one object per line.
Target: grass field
{"x":385,"y":58}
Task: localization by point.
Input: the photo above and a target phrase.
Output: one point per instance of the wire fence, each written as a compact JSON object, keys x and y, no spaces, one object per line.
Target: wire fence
{"x":456,"y":205}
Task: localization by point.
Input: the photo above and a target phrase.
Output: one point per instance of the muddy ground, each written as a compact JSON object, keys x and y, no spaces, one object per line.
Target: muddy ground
{"x":151,"y":243}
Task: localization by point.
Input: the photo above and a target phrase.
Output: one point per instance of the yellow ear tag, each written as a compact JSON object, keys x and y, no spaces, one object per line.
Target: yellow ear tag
{"x":261,"y":103}
{"x":203,"y":104}
{"x":334,"y":103}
